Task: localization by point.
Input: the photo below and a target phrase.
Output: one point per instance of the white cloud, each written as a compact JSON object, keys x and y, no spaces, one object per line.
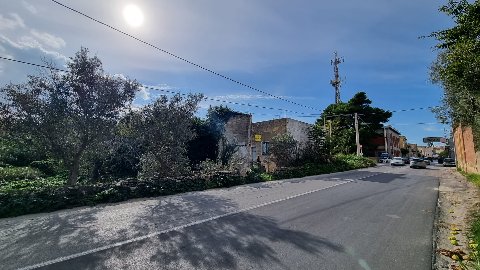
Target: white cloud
{"x":29,"y":7}
{"x":147,"y":91}
{"x":431,"y":128}
{"x":28,"y":42}
{"x":49,"y":39}
{"x":11,"y":23}
{"x":144,"y":93}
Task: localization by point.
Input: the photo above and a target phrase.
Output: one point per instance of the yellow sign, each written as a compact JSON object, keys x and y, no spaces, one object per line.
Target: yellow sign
{"x":258,"y":137}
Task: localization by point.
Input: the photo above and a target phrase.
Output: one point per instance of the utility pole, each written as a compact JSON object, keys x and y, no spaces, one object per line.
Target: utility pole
{"x":385,"y":138}
{"x":330,"y":128}
{"x":336,"y":82}
{"x":357,"y":134}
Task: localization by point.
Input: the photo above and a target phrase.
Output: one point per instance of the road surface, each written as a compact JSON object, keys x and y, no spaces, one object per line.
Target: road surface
{"x":375,"y":218}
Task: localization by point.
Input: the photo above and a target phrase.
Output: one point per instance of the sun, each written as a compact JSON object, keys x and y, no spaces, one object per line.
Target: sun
{"x":133,"y":15}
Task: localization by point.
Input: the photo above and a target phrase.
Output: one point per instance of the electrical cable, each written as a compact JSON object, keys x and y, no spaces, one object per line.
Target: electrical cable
{"x":181,"y":58}
{"x":166,"y":91}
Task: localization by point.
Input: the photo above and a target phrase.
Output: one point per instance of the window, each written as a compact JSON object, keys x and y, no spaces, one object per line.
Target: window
{"x":265,"y":148}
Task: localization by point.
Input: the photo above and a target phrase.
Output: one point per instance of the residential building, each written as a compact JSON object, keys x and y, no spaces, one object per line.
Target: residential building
{"x":263,"y":133}
{"x":430,"y":151}
{"x":412,"y":150}
{"x":253,"y":140}
{"x":387,"y":140}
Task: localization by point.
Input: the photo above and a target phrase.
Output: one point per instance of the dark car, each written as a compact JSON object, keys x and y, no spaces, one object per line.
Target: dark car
{"x":449,"y":162}
{"x":406,"y":160}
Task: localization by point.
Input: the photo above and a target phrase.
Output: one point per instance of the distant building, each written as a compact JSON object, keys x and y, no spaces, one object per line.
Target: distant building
{"x":403,"y":142}
{"x":253,"y":139}
{"x":387,"y":140}
{"x":263,"y":133}
{"x":426,"y":151}
{"x":238,"y":130}
{"x":412,"y":150}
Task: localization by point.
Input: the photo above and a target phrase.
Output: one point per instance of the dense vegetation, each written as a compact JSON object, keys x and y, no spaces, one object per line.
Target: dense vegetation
{"x":457,"y":68}
{"x":72,"y":138}
{"x":339,"y":120}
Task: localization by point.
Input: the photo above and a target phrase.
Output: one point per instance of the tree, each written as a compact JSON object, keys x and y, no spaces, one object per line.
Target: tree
{"x":284,"y":149}
{"x":342,"y":120}
{"x":164,"y":129}
{"x":457,"y":67}
{"x":205,"y":144}
{"x":72,"y":111}
{"x":209,"y":142}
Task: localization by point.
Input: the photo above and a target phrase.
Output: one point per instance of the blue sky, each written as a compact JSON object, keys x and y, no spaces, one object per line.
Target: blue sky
{"x":281,"y":47}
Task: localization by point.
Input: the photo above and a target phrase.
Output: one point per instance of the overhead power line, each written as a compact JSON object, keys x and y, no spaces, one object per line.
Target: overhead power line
{"x":31,"y":64}
{"x":181,"y":58}
{"x":164,"y":90}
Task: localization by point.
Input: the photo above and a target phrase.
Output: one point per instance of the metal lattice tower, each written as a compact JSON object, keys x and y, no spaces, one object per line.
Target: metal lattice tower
{"x":336,"y":82}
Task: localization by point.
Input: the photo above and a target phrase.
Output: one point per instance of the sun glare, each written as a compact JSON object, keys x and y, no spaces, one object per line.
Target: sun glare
{"x":133,"y":15}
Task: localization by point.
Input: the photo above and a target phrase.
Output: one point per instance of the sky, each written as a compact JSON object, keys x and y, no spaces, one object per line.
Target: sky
{"x":280,"y":47}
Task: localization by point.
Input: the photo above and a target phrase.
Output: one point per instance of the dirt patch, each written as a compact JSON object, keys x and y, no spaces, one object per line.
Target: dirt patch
{"x":457,"y":200}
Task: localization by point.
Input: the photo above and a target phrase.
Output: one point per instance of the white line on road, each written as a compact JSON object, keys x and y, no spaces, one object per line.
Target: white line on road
{"x":136,"y":239}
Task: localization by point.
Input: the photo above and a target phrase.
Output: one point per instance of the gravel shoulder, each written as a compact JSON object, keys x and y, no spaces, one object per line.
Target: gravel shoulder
{"x":458,"y":200}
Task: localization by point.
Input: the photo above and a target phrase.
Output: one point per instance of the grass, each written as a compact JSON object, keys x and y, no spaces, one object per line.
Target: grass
{"x":474,"y":178}
{"x":474,"y":228}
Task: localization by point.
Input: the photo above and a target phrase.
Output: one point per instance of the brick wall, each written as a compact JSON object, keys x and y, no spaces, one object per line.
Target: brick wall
{"x":467,"y":159}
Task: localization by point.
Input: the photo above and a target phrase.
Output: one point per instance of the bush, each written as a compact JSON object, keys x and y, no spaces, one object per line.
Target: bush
{"x":33,"y":184}
{"x":8,"y":174}
{"x":48,"y":167}
{"x":35,"y":195}
{"x":19,"y":151}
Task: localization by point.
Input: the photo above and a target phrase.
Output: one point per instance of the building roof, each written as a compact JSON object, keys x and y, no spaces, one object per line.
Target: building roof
{"x":282,"y":119}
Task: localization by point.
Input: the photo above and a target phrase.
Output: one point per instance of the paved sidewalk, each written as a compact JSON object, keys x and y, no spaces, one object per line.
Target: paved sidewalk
{"x":457,"y":200}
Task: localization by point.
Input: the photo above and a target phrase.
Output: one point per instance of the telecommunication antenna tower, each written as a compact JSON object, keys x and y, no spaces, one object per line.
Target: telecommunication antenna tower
{"x":336,"y":82}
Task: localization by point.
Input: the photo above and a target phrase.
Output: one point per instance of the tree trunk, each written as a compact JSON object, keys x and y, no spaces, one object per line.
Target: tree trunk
{"x":74,"y":170}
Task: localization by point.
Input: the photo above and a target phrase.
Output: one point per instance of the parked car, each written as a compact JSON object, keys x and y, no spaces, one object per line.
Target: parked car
{"x":449,"y":162}
{"x":384,"y":158}
{"x":397,"y":161}
{"x":417,"y":163}
{"x":427,"y":161}
{"x":406,"y":160}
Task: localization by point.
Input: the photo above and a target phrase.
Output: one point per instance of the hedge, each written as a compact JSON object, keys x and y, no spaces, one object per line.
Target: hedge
{"x":29,"y":197}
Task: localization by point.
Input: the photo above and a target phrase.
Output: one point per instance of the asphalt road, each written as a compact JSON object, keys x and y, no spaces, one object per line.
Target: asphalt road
{"x":376,"y":218}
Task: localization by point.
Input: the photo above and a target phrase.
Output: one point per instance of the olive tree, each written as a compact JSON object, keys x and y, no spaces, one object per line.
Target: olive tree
{"x":71,"y":111}
{"x":165,"y":129}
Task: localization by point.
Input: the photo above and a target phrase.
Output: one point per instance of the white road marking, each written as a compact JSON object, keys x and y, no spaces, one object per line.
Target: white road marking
{"x":136,"y":239}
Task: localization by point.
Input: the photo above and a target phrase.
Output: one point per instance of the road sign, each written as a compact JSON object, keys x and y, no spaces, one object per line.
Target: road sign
{"x":258,"y":137}
{"x":433,"y":139}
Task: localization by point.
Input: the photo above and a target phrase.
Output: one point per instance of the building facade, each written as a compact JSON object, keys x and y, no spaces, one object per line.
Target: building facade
{"x":387,"y":141}
{"x":252,"y":140}
{"x":264,"y":132}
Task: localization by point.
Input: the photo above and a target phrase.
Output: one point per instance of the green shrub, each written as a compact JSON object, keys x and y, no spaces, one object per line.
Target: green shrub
{"x":48,"y":167}
{"x":33,"y":195}
{"x":19,"y":150}
{"x":32,"y":184}
{"x":8,"y":174}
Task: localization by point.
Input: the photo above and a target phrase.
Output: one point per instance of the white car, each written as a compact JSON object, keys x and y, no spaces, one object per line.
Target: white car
{"x":418,"y":163}
{"x":397,"y":161}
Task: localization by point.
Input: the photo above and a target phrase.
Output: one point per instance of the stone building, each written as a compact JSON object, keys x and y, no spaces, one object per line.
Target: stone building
{"x":252,"y":140}
{"x":238,"y":130}
{"x":263,"y":133}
